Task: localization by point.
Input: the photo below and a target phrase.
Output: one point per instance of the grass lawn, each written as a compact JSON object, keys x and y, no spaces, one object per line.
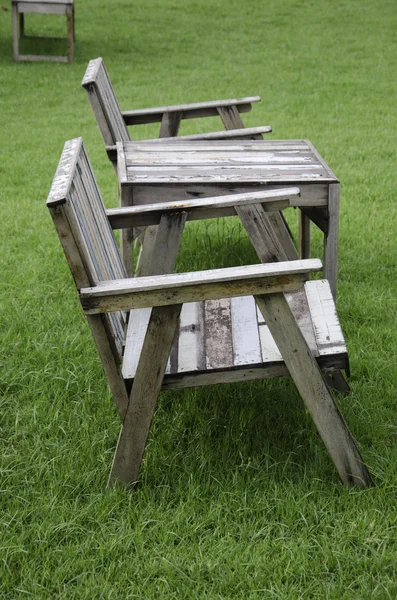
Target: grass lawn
{"x":238,"y":497}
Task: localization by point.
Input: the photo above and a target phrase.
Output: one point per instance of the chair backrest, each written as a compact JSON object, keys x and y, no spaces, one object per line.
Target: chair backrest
{"x":80,"y":218}
{"x":104,"y":103}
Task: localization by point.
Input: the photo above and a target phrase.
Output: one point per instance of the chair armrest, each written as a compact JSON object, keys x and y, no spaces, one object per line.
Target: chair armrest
{"x":164,"y":290}
{"x":189,"y":111}
{"x":201,"y":208}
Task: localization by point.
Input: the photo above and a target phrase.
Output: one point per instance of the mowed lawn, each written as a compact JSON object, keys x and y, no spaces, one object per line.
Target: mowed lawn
{"x":238,"y":498}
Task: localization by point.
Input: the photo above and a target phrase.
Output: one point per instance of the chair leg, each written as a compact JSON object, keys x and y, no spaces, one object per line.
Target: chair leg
{"x":70,"y":28}
{"x":304,"y":235}
{"x":15,"y":32}
{"x":313,"y":390}
{"x":143,"y":398}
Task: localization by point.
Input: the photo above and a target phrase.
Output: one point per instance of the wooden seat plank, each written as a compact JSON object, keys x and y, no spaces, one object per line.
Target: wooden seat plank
{"x":191,"y":350}
{"x":251,"y":344}
{"x":218,"y":334}
{"x":245,"y":333}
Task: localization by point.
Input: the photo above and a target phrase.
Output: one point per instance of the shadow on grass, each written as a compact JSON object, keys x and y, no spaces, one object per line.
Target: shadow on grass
{"x":257,"y":431}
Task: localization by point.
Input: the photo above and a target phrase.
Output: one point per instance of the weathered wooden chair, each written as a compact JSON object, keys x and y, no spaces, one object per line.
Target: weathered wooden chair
{"x":180,"y":330}
{"x":113,"y":122}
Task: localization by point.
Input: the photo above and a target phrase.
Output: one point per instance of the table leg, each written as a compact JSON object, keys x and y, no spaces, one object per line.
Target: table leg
{"x":70,"y":27}
{"x":15,"y":32}
{"x":331,"y":237}
{"x":304,"y":235}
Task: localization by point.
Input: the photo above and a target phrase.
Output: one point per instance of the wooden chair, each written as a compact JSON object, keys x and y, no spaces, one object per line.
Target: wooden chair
{"x":180,"y":330}
{"x":113,"y":122}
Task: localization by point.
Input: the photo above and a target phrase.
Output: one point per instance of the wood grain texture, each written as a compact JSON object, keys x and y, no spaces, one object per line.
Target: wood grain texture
{"x":190,"y":111}
{"x":61,"y":7}
{"x":253,"y":346}
{"x":149,"y":214}
{"x":143,"y":398}
{"x":170,"y":123}
{"x":201,"y":285}
{"x":218,"y":334}
{"x":331,"y":238}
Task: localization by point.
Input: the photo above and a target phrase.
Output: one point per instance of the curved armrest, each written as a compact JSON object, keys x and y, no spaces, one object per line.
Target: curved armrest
{"x":165,"y":290}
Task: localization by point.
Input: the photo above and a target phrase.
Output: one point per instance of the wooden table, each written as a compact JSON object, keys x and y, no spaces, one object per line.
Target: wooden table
{"x":171,"y":170}
{"x":54,"y":7}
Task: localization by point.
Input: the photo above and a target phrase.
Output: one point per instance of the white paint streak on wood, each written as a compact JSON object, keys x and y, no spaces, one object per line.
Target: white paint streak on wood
{"x":325,"y":320}
{"x":246,"y":344}
{"x":136,"y":331}
{"x":191,"y":351}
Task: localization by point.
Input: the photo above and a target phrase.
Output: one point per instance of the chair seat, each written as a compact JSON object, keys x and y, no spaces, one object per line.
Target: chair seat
{"x":228,"y":340}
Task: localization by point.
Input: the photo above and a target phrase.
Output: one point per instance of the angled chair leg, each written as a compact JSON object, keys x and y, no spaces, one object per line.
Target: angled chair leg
{"x":143,"y":398}
{"x":154,"y":356}
{"x":313,"y":390}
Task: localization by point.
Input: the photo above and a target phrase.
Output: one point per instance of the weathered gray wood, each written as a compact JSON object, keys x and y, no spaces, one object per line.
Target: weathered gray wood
{"x":146,"y":252}
{"x":165,"y":245}
{"x":71,"y":35}
{"x":154,"y":193}
{"x":178,"y":381}
{"x":191,"y":347}
{"x":189,"y":111}
{"x":142,"y":215}
{"x":104,"y":103}
{"x":218,"y":334}
{"x":331,"y":238}
{"x":137,"y":326}
{"x":222,"y":339}
{"x":200,"y":285}
{"x":33,"y":2}
{"x":62,"y":7}
{"x":185,"y":169}
{"x":170,"y":124}
{"x":42,"y":7}
{"x":283,"y":233}
{"x":245,"y":332}
{"x":15,"y":32}
{"x":113,"y":123}
{"x":323,"y":315}
{"x":143,"y":398}
{"x":304,"y":235}
{"x":178,"y":158}
{"x":287,"y":174}
{"x":231,"y":119}
{"x":246,"y":133}
{"x":326,"y":343}
{"x":87,"y":239}
{"x":169,"y":234}
{"x":314,"y":391}
{"x":180,"y":144}
{"x":261,"y":233}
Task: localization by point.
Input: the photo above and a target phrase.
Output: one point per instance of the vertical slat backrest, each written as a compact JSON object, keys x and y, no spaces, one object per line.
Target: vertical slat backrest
{"x":83,"y":227}
{"x":104,"y":103}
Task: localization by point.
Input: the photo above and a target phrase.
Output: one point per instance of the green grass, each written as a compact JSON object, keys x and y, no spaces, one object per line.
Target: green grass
{"x":238,"y":498}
